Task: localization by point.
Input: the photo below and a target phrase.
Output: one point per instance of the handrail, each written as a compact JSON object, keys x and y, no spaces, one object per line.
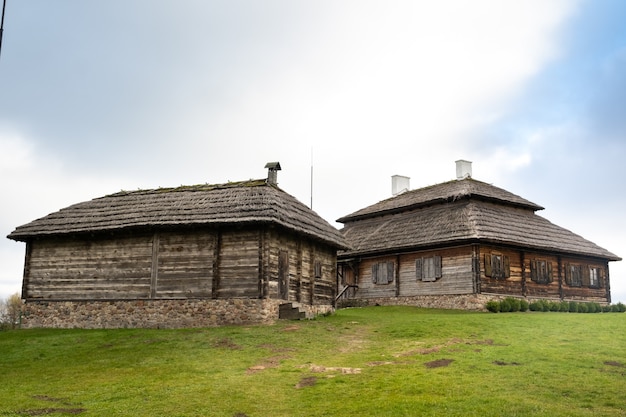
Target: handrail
{"x":345,"y":289}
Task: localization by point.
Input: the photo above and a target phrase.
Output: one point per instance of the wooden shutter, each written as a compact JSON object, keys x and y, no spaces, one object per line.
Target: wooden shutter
{"x":390,"y":271}
{"x":506,"y":264}
{"x":550,"y":279}
{"x":586,"y":278}
{"x":375,"y":273}
{"x":438,"y":271}
{"x":568,"y":274}
{"x":488,"y":265}
{"x":601,"y":277}
{"x":533,"y":270}
{"x":419,"y":273}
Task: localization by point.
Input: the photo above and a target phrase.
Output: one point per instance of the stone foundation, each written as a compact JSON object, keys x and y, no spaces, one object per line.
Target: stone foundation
{"x":154,"y":313}
{"x":456,"y":302}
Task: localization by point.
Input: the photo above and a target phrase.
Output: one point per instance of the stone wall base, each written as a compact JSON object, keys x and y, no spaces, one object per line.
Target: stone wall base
{"x":456,"y":302}
{"x":154,"y":313}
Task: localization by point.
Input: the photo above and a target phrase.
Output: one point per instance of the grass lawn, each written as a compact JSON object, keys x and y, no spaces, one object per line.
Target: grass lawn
{"x":375,"y":361}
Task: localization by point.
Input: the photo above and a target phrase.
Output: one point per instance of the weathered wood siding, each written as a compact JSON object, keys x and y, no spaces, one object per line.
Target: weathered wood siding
{"x":89,"y":269}
{"x":304,"y":286}
{"x":238,"y":264}
{"x":541,"y":289}
{"x":521,"y":282}
{"x":185,"y":264}
{"x":367,"y":288}
{"x":456,"y":273}
{"x":511,"y":285}
{"x":600,"y":293}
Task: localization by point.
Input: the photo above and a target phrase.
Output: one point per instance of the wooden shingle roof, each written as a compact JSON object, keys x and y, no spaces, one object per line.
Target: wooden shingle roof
{"x":479,"y":213}
{"x":246,"y":202}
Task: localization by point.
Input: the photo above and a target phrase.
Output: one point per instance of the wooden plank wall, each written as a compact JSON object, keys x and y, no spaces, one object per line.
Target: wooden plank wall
{"x":511,"y":285}
{"x":90,"y":269}
{"x":456,"y":273}
{"x":367,"y":289}
{"x":304,"y":287}
{"x":238,"y":264}
{"x":185,"y":264}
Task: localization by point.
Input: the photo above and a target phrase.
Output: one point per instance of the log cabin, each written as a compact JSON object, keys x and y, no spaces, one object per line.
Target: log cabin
{"x":191,"y":256}
{"x":461,"y":243}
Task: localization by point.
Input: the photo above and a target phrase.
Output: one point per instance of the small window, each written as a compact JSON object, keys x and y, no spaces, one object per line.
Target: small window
{"x":383,"y":273}
{"x":428,"y":269}
{"x":594,"y":277}
{"x":541,"y":271}
{"x":318,"y":269}
{"x":574,"y":275}
{"x":497,"y":266}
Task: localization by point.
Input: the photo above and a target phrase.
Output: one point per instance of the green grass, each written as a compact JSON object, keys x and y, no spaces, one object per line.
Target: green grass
{"x":377,"y":361}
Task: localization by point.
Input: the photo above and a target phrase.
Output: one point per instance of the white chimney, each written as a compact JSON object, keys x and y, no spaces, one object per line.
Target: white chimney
{"x":399,"y":184}
{"x":463,"y":169}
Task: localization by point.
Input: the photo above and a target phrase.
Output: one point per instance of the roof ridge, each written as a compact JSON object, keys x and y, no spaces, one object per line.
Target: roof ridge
{"x":192,"y":188}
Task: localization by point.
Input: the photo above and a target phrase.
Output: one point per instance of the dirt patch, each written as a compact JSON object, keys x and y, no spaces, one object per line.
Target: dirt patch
{"x":291,"y":328}
{"x":69,"y":407}
{"x":439,"y":363}
{"x":47,"y":411}
{"x":502,"y":363}
{"x":308,"y":381}
{"x":272,"y":362}
{"x":226,"y":343}
{"x":615,"y":363}
{"x":344,"y":371}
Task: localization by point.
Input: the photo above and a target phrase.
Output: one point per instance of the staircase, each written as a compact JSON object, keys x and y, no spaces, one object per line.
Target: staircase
{"x":291,"y":311}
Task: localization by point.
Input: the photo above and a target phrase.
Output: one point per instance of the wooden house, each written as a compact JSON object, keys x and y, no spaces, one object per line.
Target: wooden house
{"x":241,"y":252}
{"x":460,"y":243}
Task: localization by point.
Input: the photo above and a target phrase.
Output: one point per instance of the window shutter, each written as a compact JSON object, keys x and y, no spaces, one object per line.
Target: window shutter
{"x":601,"y":277}
{"x":586,"y":276}
{"x":550,"y":279}
{"x":507,"y":266}
{"x":488,"y":265}
{"x":533,"y":270}
{"x":419,"y":274}
{"x":375,"y":273}
{"x":390,"y":271}
{"x":438,"y":272}
{"x":568,"y":274}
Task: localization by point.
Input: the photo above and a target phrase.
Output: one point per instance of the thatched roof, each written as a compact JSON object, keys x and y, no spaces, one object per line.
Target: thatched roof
{"x":441,"y":193}
{"x":247,"y":202}
{"x":474,"y":212}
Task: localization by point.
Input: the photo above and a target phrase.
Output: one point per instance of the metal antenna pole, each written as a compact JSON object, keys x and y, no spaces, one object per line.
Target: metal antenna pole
{"x":4,"y":5}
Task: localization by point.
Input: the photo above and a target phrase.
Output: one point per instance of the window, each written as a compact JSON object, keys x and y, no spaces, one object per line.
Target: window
{"x":383,"y":273}
{"x":594,"y":277}
{"x":497,"y":266}
{"x":541,"y":271}
{"x":428,"y":269}
{"x":318,"y":269}
{"x":574,"y":275}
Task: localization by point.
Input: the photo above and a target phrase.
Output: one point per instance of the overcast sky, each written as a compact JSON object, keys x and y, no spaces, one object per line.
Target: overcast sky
{"x":96,"y":97}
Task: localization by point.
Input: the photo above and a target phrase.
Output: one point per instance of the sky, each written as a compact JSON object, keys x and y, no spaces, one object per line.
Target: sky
{"x":98,"y":97}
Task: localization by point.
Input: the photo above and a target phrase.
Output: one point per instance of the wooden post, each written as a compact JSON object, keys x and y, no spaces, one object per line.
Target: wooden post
{"x":26,"y":279}
{"x":215,"y":285}
{"x":397,"y":275}
{"x":154,"y":276}
{"x":523,"y":261}
{"x":560,"y":275}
